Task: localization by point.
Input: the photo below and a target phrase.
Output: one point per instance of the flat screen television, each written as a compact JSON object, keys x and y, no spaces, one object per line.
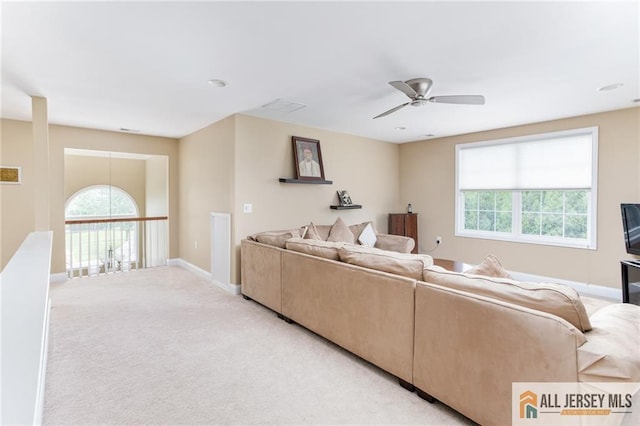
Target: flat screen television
{"x":631,"y":227}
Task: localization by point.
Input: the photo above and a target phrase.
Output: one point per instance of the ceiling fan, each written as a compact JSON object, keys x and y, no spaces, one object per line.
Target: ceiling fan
{"x":417,"y":90}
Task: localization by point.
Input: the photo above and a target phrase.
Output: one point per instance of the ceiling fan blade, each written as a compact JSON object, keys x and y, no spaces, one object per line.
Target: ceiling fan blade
{"x":391,"y":110}
{"x":458,"y":99}
{"x":404,"y":88}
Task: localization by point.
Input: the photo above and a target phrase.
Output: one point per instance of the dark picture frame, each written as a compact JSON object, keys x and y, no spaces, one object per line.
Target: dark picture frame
{"x":307,"y":158}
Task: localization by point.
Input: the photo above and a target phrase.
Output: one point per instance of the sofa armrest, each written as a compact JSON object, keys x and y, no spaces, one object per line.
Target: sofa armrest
{"x":469,"y":349}
{"x":261,"y":273}
{"x":397,"y":243}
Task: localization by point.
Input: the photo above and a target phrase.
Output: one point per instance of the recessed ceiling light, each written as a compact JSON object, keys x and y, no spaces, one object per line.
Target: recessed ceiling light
{"x":401,"y":128}
{"x":124,"y":129}
{"x":429,"y":135}
{"x":217,"y":83}
{"x":610,"y":87}
{"x":636,"y":100}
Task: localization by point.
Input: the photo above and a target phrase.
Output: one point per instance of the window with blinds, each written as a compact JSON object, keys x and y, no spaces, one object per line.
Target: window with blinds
{"x":537,"y":189}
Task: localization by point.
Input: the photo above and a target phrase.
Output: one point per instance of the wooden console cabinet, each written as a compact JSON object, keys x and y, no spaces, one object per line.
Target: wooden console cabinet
{"x":404,"y":224}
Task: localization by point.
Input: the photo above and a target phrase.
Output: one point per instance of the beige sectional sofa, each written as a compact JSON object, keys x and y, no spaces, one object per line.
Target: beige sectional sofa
{"x":451,"y":336}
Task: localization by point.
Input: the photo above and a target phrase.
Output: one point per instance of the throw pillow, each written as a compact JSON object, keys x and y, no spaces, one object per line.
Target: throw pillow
{"x":359,"y":227}
{"x":340,"y":232}
{"x":312,"y":233}
{"x":489,"y":267}
{"x":277,"y":240}
{"x":367,"y":236}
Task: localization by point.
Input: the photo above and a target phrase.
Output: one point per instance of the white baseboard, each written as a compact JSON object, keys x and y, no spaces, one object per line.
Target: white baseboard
{"x":190,"y":267}
{"x":228,"y":287}
{"x":598,"y":291}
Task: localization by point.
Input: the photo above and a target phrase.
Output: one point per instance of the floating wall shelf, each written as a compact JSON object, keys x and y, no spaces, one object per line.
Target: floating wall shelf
{"x":352,"y":206}
{"x":309,"y":181}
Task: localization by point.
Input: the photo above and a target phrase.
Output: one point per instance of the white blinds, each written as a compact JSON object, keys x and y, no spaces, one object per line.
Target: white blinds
{"x":558,"y":162}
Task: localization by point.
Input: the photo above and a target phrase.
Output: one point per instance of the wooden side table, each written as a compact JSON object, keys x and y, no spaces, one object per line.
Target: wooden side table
{"x":405,"y":224}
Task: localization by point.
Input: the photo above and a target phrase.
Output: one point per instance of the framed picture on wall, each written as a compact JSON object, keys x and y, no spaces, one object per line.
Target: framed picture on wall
{"x":11,"y":175}
{"x":307,"y":158}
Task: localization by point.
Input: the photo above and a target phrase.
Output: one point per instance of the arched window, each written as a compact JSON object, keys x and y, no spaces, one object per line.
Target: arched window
{"x":94,"y":245}
{"x":100,"y":202}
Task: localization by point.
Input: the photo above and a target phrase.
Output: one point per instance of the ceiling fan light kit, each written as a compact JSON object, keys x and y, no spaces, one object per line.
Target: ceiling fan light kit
{"x":417,"y":90}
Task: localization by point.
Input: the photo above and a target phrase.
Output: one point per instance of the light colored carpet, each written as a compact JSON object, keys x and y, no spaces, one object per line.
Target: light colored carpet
{"x":162,"y":346}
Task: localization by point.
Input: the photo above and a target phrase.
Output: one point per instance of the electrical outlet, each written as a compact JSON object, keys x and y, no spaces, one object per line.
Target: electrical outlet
{"x":247,"y":208}
{"x":438,"y":240}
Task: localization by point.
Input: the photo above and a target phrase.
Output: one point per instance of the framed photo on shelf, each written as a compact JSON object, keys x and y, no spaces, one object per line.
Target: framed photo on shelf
{"x":345,"y":198}
{"x":307,"y":158}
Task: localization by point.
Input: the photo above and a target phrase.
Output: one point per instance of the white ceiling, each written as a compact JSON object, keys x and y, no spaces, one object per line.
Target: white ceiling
{"x":145,"y":65}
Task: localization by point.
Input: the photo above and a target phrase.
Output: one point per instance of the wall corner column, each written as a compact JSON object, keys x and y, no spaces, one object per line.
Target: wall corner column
{"x":40,"y":127}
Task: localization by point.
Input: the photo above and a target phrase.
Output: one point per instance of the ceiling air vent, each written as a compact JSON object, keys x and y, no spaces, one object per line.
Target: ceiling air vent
{"x":283,"y":105}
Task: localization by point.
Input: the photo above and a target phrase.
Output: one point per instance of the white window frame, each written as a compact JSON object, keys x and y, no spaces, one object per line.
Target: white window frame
{"x":108,"y":216}
{"x":516,"y":235}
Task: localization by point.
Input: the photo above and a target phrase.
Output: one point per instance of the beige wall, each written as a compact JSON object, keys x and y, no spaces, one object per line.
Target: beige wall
{"x":427,"y":179}
{"x":17,"y":203}
{"x":127,"y":174}
{"x":239,"y":160}
{"x":206,"y":186}
{"x":367,"y":168}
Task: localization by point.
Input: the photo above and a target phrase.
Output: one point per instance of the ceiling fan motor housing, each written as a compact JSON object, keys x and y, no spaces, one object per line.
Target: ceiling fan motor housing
{"x":421,"y":86}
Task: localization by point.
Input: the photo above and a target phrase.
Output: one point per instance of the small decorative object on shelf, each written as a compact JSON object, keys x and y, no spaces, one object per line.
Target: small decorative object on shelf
{"x":345,"y":201}
{"x":409,"y":208}
{"x":344,"y":198}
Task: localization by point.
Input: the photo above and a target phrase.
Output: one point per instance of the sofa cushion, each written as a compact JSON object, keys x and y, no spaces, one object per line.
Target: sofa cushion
{"x":312,"y":233}
{"x":490,"y":267}
{"x":594,"y":304}
{"x":612,"y":347}
{"x":340,"y":232}
{"x":367,"y":236}
{"x":267,"y":235}
{"x":404,"y":264}
{"x":278,"y":240}
{"x":556,"y":299}
{"x":325,"y":249}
